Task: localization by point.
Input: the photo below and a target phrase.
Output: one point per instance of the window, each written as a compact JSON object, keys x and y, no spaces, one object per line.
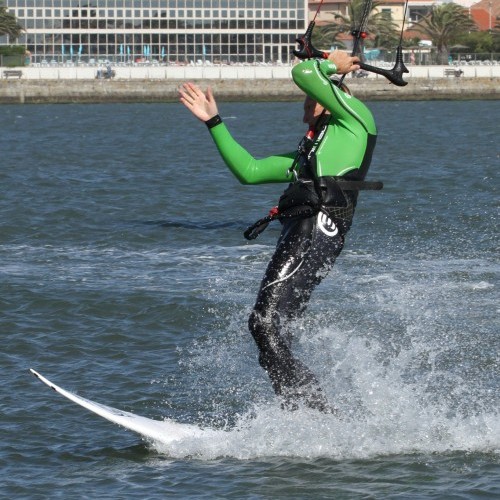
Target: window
{"x":387,"y":13}
{"x":284,"y":19}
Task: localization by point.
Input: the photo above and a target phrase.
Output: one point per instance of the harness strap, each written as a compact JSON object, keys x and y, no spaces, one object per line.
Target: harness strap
{"x":307,"y":150}
{"x":258,"y":227}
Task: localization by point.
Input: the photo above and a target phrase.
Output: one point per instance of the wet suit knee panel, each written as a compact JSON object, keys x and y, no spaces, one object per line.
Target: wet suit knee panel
{"x":275,"y":356}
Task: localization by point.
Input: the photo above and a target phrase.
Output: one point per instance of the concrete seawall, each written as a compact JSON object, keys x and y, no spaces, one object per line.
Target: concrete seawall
{"x":63,"y":91}
{"x":160,"y":84}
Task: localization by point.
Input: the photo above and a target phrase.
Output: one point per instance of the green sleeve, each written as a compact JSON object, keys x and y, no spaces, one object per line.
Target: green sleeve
{"x":312,"y":76}
{"x":350,"y":135}
{"x":246,"y":168}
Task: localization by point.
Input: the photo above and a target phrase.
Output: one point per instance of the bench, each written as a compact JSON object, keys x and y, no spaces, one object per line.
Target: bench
{"x":453,"y":72}
{"x":12,"y":72}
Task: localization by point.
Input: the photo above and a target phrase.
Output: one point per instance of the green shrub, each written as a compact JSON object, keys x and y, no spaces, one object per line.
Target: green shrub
{"x":11,"y":50}
{"x":12,"y":55}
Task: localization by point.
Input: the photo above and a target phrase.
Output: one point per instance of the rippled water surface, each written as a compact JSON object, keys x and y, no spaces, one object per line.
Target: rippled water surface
{"x":124,"y":276}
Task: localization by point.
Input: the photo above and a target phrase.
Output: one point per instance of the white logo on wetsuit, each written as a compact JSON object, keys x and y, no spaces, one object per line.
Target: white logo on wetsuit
{"x":326,"y":225}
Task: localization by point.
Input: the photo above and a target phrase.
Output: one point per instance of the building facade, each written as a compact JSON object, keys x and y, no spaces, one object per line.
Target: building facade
{"x":169,"y":31}
{"x":402,"y":13}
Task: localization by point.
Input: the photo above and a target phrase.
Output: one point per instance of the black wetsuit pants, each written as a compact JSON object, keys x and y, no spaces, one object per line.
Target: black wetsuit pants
{"x":305,"y":252}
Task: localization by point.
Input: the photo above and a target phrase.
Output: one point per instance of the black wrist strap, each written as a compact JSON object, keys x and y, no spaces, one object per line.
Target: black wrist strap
{"x":215,"y":120}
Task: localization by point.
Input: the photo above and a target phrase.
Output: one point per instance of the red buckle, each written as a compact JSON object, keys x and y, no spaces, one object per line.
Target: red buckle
{"x":273,"y":212}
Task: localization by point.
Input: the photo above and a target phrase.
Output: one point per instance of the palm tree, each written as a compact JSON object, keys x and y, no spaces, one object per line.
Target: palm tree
{"x":379,"y":25}
{"x":444,"y":25}
{"x":8,"y":23}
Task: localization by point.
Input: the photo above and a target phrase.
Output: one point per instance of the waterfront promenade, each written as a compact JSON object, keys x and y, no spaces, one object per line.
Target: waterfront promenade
{"x":160,"y":83}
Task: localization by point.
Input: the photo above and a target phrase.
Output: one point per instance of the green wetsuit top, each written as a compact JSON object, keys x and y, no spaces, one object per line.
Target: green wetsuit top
{"x":345,"y":149}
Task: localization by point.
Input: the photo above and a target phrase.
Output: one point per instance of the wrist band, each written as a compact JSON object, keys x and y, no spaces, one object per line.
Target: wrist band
{"x":212,"y":122}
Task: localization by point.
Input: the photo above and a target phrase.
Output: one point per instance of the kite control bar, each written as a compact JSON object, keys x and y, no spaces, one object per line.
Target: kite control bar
{"x":394,"y":75}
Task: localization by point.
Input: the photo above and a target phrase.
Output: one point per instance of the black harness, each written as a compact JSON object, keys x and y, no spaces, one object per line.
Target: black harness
{"x":309,"y":194}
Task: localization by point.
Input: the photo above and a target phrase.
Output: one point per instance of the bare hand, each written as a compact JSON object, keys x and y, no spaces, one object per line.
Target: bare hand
{"x":344,"y":62}
{"x":202,"y":105}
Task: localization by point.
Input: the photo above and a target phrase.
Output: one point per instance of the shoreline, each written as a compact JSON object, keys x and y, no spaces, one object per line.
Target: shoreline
{"x":54,"y":91}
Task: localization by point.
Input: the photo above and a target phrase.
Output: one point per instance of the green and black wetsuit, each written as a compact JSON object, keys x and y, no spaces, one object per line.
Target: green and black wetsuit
{"x":309,"y":243}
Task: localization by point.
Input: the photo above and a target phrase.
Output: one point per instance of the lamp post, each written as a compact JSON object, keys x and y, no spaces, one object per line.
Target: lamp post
{"x":490,"y":15}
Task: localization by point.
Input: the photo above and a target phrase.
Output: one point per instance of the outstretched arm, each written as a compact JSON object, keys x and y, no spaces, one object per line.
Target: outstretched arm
{"x":246,"y":168}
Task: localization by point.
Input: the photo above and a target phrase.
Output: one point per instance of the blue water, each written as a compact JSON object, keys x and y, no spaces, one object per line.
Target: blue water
{"x":124,"y":276}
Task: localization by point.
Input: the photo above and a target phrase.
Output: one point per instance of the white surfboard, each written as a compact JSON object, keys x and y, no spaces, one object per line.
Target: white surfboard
{"x":164,"y":431}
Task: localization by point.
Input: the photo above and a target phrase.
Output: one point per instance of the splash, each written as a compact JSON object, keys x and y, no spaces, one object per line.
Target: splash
{"x":407,"y":352}
{"x":385,"y":409}
{"x":268,"y":432}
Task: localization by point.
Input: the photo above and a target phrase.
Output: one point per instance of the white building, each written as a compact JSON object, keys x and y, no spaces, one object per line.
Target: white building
{"x":175,"y":31}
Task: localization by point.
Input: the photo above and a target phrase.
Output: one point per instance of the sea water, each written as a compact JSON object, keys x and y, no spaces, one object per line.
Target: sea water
{"x":125,"y":277}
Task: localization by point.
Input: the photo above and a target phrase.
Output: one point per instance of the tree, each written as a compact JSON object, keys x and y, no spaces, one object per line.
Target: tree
{"x":8,"y":23}
{"x":444,"y":25}
{"x":479,"y":42}
{"x":381,"y":29}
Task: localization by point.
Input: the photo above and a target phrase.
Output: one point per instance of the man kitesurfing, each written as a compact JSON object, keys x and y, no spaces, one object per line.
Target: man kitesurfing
{"x":324,"y":177}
